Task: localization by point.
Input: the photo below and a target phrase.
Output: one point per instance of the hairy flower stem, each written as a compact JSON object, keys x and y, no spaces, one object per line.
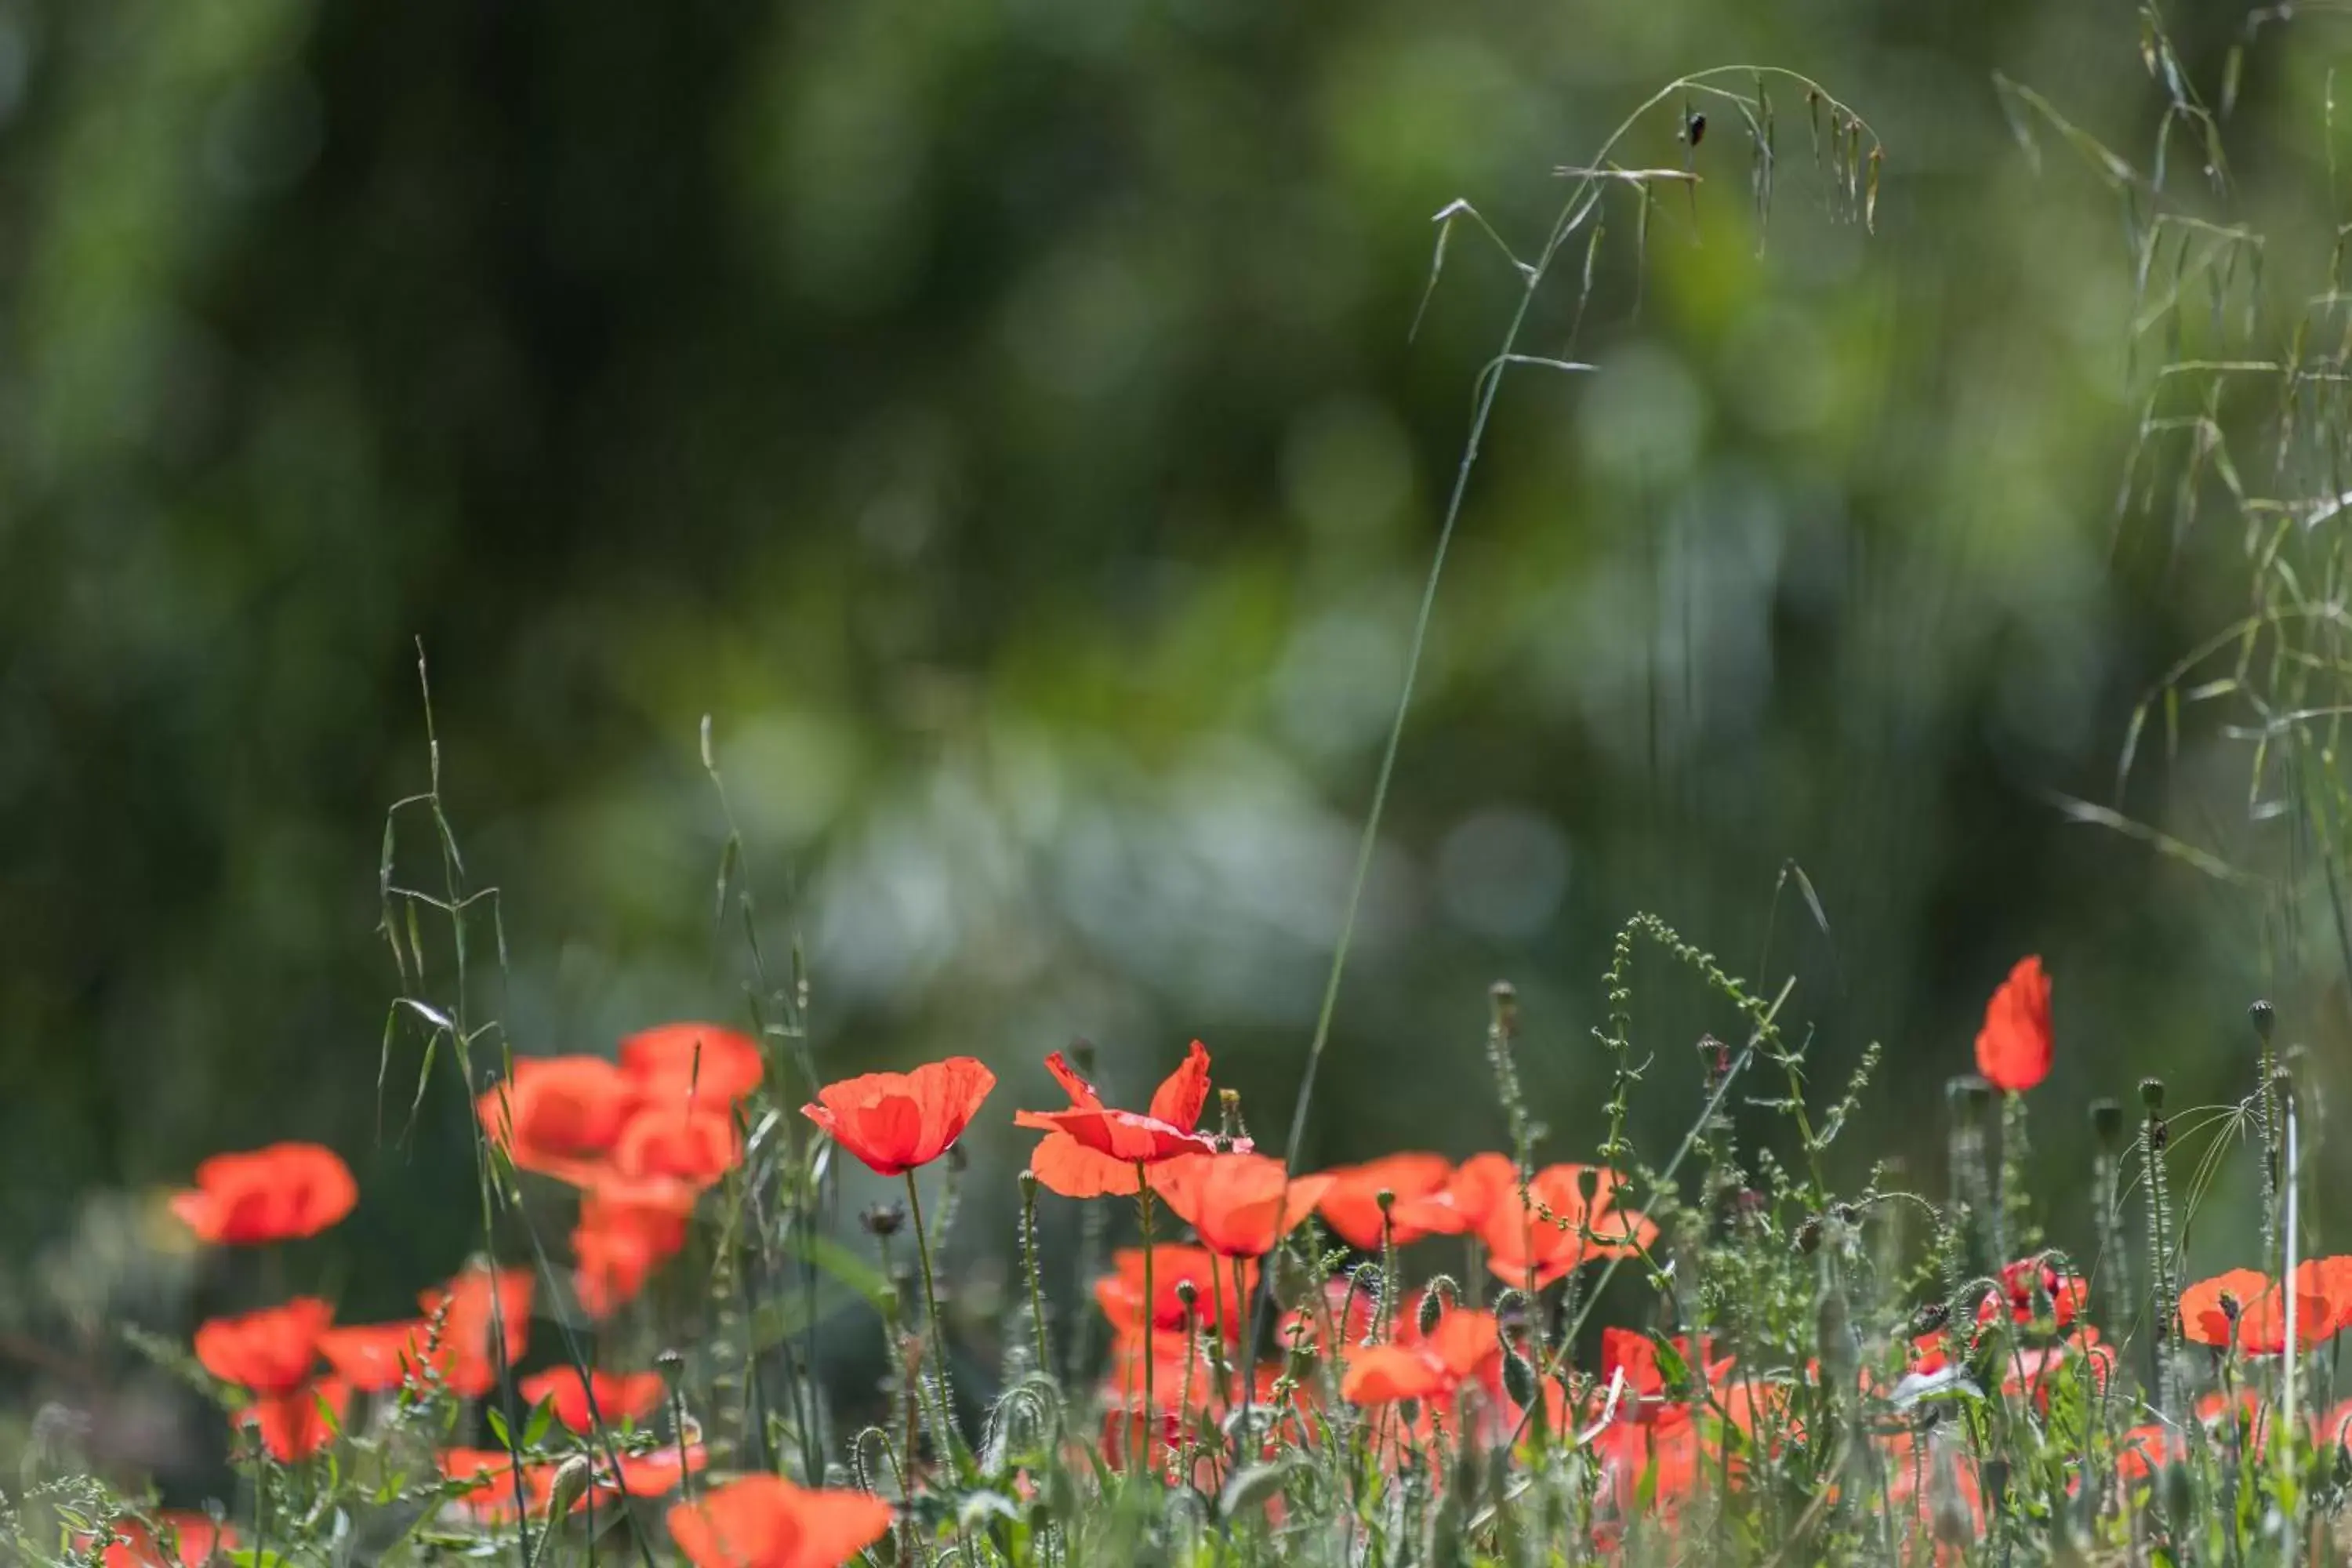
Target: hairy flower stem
{"x":2152,"y":1139}
{"x":1029,"y":1265}
{"x":942,"y":1395}
{"x":1151,"y":1312}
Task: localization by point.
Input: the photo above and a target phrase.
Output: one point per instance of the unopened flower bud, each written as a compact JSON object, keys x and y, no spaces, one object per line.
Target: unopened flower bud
{"x":2263,"y":1019}
{"x":884,"y":1219}
{"x":672,"y":1366}
{"x":1518,"y":1378}
{"x":2151,"y":1094}
{"x":569,"y":1485}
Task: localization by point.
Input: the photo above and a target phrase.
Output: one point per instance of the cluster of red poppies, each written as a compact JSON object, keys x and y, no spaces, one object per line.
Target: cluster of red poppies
{"x":643,"y":1138}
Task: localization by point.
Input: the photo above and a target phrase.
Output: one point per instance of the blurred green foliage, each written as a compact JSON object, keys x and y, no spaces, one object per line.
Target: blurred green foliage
{"x":1000,"y":419}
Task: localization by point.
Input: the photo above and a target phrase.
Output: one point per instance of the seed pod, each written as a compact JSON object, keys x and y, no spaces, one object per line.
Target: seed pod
{"x":2263,"y":1019}
{"x":2151,"y":1094}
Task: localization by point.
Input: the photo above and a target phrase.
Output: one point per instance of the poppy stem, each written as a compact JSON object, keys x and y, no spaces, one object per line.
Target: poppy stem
{"x":1150,"y":1308}
{"x":945,"y":1418}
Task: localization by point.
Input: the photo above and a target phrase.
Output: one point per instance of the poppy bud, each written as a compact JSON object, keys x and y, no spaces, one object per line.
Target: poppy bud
{"x":884,"y":1219}
{"x":2151,"y":1094}
{"x":571,"y":1480}
{"x":1518,"y":1378}
{"x":1187,"y":1293}
{"x":1441,"y":1293}
{"x":2180,"y":1494}
{"x":1503,"y":1007}
{"x":2107,"y":1123}
{"x":2263,"y":1019}
{"x":1028,"y":1180}
{"x":672,"y":1366}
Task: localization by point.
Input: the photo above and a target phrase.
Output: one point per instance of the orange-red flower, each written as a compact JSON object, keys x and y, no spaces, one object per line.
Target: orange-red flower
{"x":1241,"y":1205}
{"x":668,"y":1154}
{"x":1091,"y":1151}
{"x":269,"y":1351}
{"x":375,"y":1358}
{"x":279,"y":1194}
{"x":2032,"y":1288}
{"x":581,"y":1403}
{"x":896,"y":1121}
{"x":1635,"y":1357}
{"x":1522,"y":1242}
{"x":301,"y":1422}
{"x":1462,"y":1207}
{"x":474,"y":1311}
{"x":1351,"y":1204}
{"x":2246,"y":1308}
{"x":765,"y":1521}
{"x":560,"y":1115}
{"x":487,"y":1486}
{"x":701,"y":1063}
{"x":1463,"y":1346}
{"x":617,"y":1246}
{"x":1215,"y":1304}
{"x":658,"y":1470}
{"x":2013,"y":1046}
{"x":187,"y":1539}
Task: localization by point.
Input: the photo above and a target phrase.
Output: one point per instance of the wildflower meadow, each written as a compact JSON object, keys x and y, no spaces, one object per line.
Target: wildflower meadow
{"x":1997,"y":1292}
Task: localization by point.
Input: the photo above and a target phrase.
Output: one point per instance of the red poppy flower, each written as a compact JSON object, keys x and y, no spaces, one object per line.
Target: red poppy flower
{"x":2033,"y":1288}
{"x":279,"y":1194}
{"x":1215,"y":1306}
{"x":1464,"y":1345}
{"x":1644,"y":1389}
{"x":268,"y":1351}
{"x":660,"y":1470}
{"x":486,"y":1485}
{"x":1351,"y":1204}
{"x":1462,"y":1207}
{"x":375,"y":1358}
{"x":1382,"y":1374}
{"x":472,"y":1312}
{"x":1091,"y":1151}
{"x":1520,"y":1241}
{"x":559,"y":1115}
{"x":617,"y":1246}
{"x":2246,"y":1308}
{"x":617,"y":1397}
{"x":666,"y":1155}
{"x":896,"y":1121}
{"x":1240,"y":1204}
{"x":299,"y":1422}
{"x":701,"y":1063}
{"x":2013,"y":1046}
{"x":765,"y":1521}
{"x":187,"y":1540}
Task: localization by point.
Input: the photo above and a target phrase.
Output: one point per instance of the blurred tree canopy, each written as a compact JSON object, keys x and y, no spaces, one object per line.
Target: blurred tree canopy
{"x":1003,"y":420}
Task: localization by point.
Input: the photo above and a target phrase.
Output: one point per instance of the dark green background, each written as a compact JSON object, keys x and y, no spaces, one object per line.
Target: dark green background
{"x":1000,"y":419}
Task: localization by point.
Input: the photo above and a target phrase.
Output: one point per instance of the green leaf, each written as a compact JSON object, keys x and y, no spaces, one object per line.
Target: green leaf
{"x":535,"y":1429}
{"x":498,"y":1425}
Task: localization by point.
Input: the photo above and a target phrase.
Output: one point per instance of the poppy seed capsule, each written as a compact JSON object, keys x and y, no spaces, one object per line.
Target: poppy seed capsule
{"x":2151,"y":1094}
{"x":1187,"y":1293}
{"x":2107,"y":1123}
{"x":672,"y":1366}
{"x":2263,"y":1019}
{"x":884,"y":1219}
